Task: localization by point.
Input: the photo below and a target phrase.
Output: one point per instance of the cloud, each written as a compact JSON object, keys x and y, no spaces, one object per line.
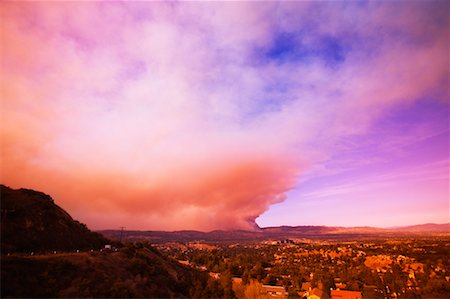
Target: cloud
{"x":198,"y":115}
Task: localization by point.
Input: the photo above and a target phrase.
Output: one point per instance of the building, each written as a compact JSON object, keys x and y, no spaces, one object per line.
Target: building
{"x":214,"y":275}
{"x":317,"y":294}
{"x":275,"y":291}
{"x":306,"y":286}
{"x":340,"y":285}
{"x":344,"y":294}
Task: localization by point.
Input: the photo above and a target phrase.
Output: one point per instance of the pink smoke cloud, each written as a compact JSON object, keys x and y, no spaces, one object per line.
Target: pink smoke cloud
{"x":155,"y":116}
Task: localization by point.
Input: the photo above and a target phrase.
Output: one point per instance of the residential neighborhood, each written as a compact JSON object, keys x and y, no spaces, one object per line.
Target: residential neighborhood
{"x":323,"y":269}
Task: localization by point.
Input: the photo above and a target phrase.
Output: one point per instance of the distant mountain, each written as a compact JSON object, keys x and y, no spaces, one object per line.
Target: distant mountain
{"x":31,"y":221}
{"x":184,"y":236}
{"x":425,"y":228}
{"x":302,"y":230}
{"x":281,"y":232}
{"x":429,"y":228}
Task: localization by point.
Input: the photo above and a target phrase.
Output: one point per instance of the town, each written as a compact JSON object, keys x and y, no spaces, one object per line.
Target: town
{"x":314,"y":269}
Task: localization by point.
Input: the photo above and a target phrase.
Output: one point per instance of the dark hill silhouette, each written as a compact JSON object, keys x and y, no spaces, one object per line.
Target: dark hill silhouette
{"x":31,"y":221}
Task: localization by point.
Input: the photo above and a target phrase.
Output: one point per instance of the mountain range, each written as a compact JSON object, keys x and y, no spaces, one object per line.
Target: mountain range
{"x":282,"y":232}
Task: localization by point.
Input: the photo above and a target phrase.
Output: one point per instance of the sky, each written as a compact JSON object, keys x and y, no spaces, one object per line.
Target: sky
{"x":214,"y":115}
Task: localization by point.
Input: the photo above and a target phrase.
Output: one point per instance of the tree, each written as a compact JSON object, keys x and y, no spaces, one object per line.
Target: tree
{"x":270,"y":280}
{"x":213,"y":289}
{"x":227,"y":284}
{"x":254,"y":290}
{"x":246,"y":277}
{"x":258,"y":271}
{"x":293,"y":295}
{"x":197,"y":290}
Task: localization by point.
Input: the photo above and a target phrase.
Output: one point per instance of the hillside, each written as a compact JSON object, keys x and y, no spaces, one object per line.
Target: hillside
{"x":31,"y":221}
{"x":131,"y":272}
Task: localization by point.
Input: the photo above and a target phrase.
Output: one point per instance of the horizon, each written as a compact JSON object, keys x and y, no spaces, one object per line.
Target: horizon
{"x":249,"y":230}
{"x":223,"y":116}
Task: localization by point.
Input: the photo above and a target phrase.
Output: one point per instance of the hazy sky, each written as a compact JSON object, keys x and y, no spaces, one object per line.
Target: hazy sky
{"x":208,"y":115}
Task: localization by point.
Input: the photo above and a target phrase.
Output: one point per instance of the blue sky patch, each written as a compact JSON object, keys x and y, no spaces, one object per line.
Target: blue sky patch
{"x":289,"y":47}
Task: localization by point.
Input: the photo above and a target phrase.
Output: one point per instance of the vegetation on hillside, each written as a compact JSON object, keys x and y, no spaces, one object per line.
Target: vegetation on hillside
{"x":134,"y":271}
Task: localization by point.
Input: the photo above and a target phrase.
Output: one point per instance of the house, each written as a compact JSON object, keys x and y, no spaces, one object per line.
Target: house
{"x":344,"y":294}
{"x":317,"y":294}
{"x":275,"y":291}
{"x":306,"y":286}
{"x":340,"y":285}
{"x":214,"y":275}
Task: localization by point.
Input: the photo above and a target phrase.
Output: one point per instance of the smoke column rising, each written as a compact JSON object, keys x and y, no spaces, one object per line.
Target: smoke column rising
{"x":197,"y":115}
